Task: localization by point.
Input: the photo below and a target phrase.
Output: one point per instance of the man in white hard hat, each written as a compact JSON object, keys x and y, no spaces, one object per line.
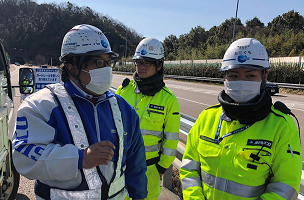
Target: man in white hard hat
{"x":244,"y":147}
{"x":157,"y":108}
{"x":76,"y":138}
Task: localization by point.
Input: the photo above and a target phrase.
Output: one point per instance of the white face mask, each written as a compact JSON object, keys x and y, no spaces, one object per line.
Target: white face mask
{"x":242,"y":91}
{"x":101,"y":79}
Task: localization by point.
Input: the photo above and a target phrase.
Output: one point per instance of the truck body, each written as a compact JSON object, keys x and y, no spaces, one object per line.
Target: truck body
{"x":9,"y":177}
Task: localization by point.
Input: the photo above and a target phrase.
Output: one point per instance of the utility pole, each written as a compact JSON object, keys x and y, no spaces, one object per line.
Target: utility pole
{"x":126,"y":47}
{"x":237,"y":7}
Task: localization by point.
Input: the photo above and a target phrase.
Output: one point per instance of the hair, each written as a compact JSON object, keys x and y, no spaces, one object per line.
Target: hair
{"x":74,"y":60}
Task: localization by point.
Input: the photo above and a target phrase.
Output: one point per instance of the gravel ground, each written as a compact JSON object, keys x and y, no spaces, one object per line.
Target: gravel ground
{"x":176,"y":183}
{"x":26,"y":189}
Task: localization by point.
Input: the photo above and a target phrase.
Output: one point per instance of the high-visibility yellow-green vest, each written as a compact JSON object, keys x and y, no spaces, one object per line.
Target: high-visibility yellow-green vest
{"x":236,"y":163}
{"x":159,"y":117}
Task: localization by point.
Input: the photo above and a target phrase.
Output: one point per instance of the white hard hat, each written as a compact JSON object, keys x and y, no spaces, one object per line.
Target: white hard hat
{"x":246,"y":53}
{"x":85,"y":40}
{"x":149,"y":49}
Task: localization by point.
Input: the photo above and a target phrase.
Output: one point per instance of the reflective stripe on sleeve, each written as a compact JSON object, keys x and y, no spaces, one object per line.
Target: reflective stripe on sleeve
{"x":232,"y":187}
{"x":152,"y":148}
{"x":168,"y":152}
{"x":191,"y":165}
{"x":191,"y":182}
{"x":158,"y":134}
{"x":283,"y":190}
{"x":171,"y":136}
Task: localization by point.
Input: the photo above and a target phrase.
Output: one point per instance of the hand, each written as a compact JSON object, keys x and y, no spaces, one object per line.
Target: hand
{"x":98,"y":154}
{"x":160,"y":176}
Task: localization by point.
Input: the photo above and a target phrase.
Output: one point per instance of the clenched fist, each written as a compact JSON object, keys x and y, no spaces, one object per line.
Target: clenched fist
{"x":98,"y":154}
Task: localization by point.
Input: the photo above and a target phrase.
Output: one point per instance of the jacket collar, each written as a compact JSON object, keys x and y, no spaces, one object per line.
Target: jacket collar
{"x":246,"y":113}
{"x":74,"y":91}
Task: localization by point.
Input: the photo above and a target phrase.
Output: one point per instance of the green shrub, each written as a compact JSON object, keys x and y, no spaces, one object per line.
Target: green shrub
{"x":279,"y":72}
{"x":124,"y":68}
{"x":286,"y":73}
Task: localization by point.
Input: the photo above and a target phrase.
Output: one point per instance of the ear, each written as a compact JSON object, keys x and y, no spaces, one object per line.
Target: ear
{"x":160,"y":66}
{"x":72,"y":69}
{"x":266,"y":75}
{"x":225,"y":76}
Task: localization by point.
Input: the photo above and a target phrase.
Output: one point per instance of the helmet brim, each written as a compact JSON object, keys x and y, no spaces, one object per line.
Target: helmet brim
{"x":90,"y":53}
{"x":146,"y":58}
{"x":99,"y":52}
{"x":257,"y":67}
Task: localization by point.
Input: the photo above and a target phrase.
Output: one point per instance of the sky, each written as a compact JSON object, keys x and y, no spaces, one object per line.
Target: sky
{"x":161,"y":18}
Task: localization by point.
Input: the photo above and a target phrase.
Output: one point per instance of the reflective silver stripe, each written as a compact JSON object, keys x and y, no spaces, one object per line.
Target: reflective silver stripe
{"x":117,"y":185}
{"x":191,"y":182}
{"x":232,"y":187}
{"x":107,"y":171}
{"x":153,"y":148}
{"x":191,"y":165}
{"x":119,"y":127}
{"x":80,"y":139}
{"x":78,"y":133}
{"x":282,"y":189}
{"x":168,"y":152}
{"x":171,"y":136}
{"x":121,"y":195}
{"x":158,"y":134}
{"x":57,"y":194}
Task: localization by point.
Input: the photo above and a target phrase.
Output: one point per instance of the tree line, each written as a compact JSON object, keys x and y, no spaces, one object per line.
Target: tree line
{"x":283,"y":36}
{"x":38,"y":30}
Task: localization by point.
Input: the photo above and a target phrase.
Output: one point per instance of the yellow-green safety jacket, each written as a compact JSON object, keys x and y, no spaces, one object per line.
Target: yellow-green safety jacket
{"x":237,"y":165}
{"x":159,"y":117}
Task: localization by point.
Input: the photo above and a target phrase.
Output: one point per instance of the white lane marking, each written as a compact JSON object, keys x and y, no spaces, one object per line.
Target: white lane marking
{"x":193,"y":89}
{"x":193,"y":101}
{"x":14,"y":70}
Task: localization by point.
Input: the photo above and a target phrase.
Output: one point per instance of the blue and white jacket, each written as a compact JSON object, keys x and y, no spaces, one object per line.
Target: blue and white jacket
{"x":44,"y":148}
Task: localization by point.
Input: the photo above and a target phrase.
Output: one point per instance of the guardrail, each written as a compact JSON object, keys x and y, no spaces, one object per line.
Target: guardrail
{"x":217,"y":80}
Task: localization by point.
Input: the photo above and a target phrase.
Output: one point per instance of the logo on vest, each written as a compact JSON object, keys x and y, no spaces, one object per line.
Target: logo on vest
{"x":265,"y":143}
{"x":156,"y":107}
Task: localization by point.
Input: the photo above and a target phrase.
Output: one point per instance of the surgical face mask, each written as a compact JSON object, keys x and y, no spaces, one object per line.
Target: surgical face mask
{"x":101,"y":79}
{"x":242,"y":91}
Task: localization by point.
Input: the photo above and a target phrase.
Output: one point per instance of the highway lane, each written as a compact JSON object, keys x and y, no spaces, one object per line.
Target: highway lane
{"x":194,"y":97}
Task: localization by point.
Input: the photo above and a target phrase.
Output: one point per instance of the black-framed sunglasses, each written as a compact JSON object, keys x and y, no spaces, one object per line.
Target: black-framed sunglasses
{"x":103,"y":63}
{"x":145,"y":63}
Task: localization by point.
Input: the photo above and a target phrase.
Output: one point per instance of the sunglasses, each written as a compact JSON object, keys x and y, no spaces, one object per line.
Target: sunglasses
{"x":103,"y":63}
